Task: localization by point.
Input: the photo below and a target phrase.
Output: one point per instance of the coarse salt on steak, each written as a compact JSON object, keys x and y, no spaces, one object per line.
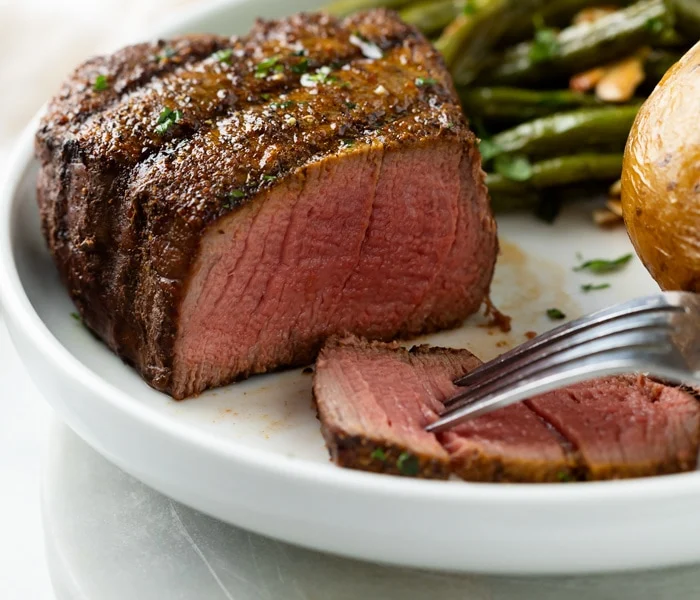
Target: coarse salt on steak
{"x":219,"y":207}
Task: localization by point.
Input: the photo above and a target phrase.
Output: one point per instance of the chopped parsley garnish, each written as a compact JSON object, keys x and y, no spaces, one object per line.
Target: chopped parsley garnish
{"x":600,"y":265}
{"x":283,"y":105}
{"x":100,"y":84}
{"x":268,"y":66}
{"x":564,"y":476}
{"x":224,"y":55}
{"x":546,"y":43}
{"x":489,"y":149}
{"x":469,"y":7}
{"x":555,"y":314}
{"x":347,"y":143}
{"x":233,"y":197}
{"x":300,"y":52}
{"x":513,"y":166}
{"x":592,"y":287}
{"x":266,"y":96}
{"x":321,"y":76}
{"x":167,"y":53}
{"x":378,"y":454}
{"x":655,"y":25}
{"x":425,"y":81}
{"x":301,"y":67}
{"x":369,"y":49}
{"x":269,"y":177}
{"x":166,"y":119}
{"x":77,"y":317}
{"x":351,"y":105}
{"x":408,"y":464}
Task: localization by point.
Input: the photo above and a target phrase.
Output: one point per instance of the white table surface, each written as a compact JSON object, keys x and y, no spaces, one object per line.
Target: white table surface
{"x":102,"y":535}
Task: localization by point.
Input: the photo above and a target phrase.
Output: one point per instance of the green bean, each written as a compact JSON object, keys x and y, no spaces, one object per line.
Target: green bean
{"x":342,"y":8}
{"x":431,"y":16}
{"x":468,"y":40}
{"x":584,"y":46}
{"x":605,"y":127}
{"x":555,"y":14}
{"x":516,"y":104}
{"x":688,"y":17}
{"x":554,"y":172}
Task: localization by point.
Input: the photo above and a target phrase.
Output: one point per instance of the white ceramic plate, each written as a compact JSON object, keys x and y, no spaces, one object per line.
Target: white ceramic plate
{"x":251,"y":454}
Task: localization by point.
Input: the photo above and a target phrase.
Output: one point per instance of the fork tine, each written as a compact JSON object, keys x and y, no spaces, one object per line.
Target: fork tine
{"x":634,"y":322}
{"x":668,"y":301}
{"x":612,"y":362}
{"x":642,"y":338}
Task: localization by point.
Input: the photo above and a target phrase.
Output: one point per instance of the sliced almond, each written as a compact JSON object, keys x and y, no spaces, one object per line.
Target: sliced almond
{"x":615,"y":207}
{"x":615,"y":190}
{"x":592,"y":14}
{"x":605,"y":218}
{"x":583,"y":82}
{"x":621,"y":80}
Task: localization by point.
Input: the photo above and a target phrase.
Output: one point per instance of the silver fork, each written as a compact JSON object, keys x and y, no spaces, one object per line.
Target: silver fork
{"x":658,"y":335}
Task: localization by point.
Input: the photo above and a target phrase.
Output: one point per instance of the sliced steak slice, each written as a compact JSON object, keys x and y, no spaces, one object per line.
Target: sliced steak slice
{"x":374,"y":400}
{"x":626,"y":426}
{"x":226,"y":205}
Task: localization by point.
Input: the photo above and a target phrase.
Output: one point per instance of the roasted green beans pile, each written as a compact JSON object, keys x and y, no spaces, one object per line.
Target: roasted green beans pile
{"x":518,"y":66}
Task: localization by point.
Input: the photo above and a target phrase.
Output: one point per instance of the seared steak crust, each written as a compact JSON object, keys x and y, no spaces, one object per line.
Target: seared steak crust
{"x":125,"y":205}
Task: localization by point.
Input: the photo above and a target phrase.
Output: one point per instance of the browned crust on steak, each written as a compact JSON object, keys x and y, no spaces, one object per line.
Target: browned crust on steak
{"x":140,"y":202}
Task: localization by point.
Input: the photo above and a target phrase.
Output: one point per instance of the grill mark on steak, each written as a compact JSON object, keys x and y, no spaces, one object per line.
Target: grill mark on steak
{"x":127,"y":226}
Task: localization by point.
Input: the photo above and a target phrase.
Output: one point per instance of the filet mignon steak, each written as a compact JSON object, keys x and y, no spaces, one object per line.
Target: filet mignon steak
{"x":374,"y":400}
{"x":219,"y":207}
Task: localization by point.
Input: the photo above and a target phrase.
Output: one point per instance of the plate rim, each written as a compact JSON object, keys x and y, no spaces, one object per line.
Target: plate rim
{"x":17,"y":306}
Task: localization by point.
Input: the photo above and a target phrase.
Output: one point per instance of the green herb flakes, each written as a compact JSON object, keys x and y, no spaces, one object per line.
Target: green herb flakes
{"x":320,"y":77}
{"x":347,"y":143}
{"x":425,"y":81}
{"x":546,"y":43}
{"x":655,"y":25}
{"x":269,"y":178}
{"x":378,"y":454}
{"x":369,"y":49}
{"x":555,"y":314}
{"x":267,"y":67}
{"x":100,"y":84}
{"x":223,"y":56}
{"x":351,"y":105}
{"x":592,"y":287}
{"x":77,"y":317}
{"x":301,"y":67}
{"x":167,"y":119}
{"x":408,"y":464}
{"x":513,"y":166}
{"x":564,"y":476}
{"x":237,"y":194}
{"x":600,"y":266}
{"x":167,"y":54}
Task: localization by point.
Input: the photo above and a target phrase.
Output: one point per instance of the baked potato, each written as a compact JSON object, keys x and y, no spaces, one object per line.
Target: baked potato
{"x":661,"y":178}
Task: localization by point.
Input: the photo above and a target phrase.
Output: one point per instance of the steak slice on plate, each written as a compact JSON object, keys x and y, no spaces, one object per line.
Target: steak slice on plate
{"x":375,"y":399}
{"x":625,"y":426}
{"x":219,"y":207}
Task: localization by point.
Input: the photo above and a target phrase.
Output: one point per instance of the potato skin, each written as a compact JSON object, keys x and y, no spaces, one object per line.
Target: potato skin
{"x":661,"y":178}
